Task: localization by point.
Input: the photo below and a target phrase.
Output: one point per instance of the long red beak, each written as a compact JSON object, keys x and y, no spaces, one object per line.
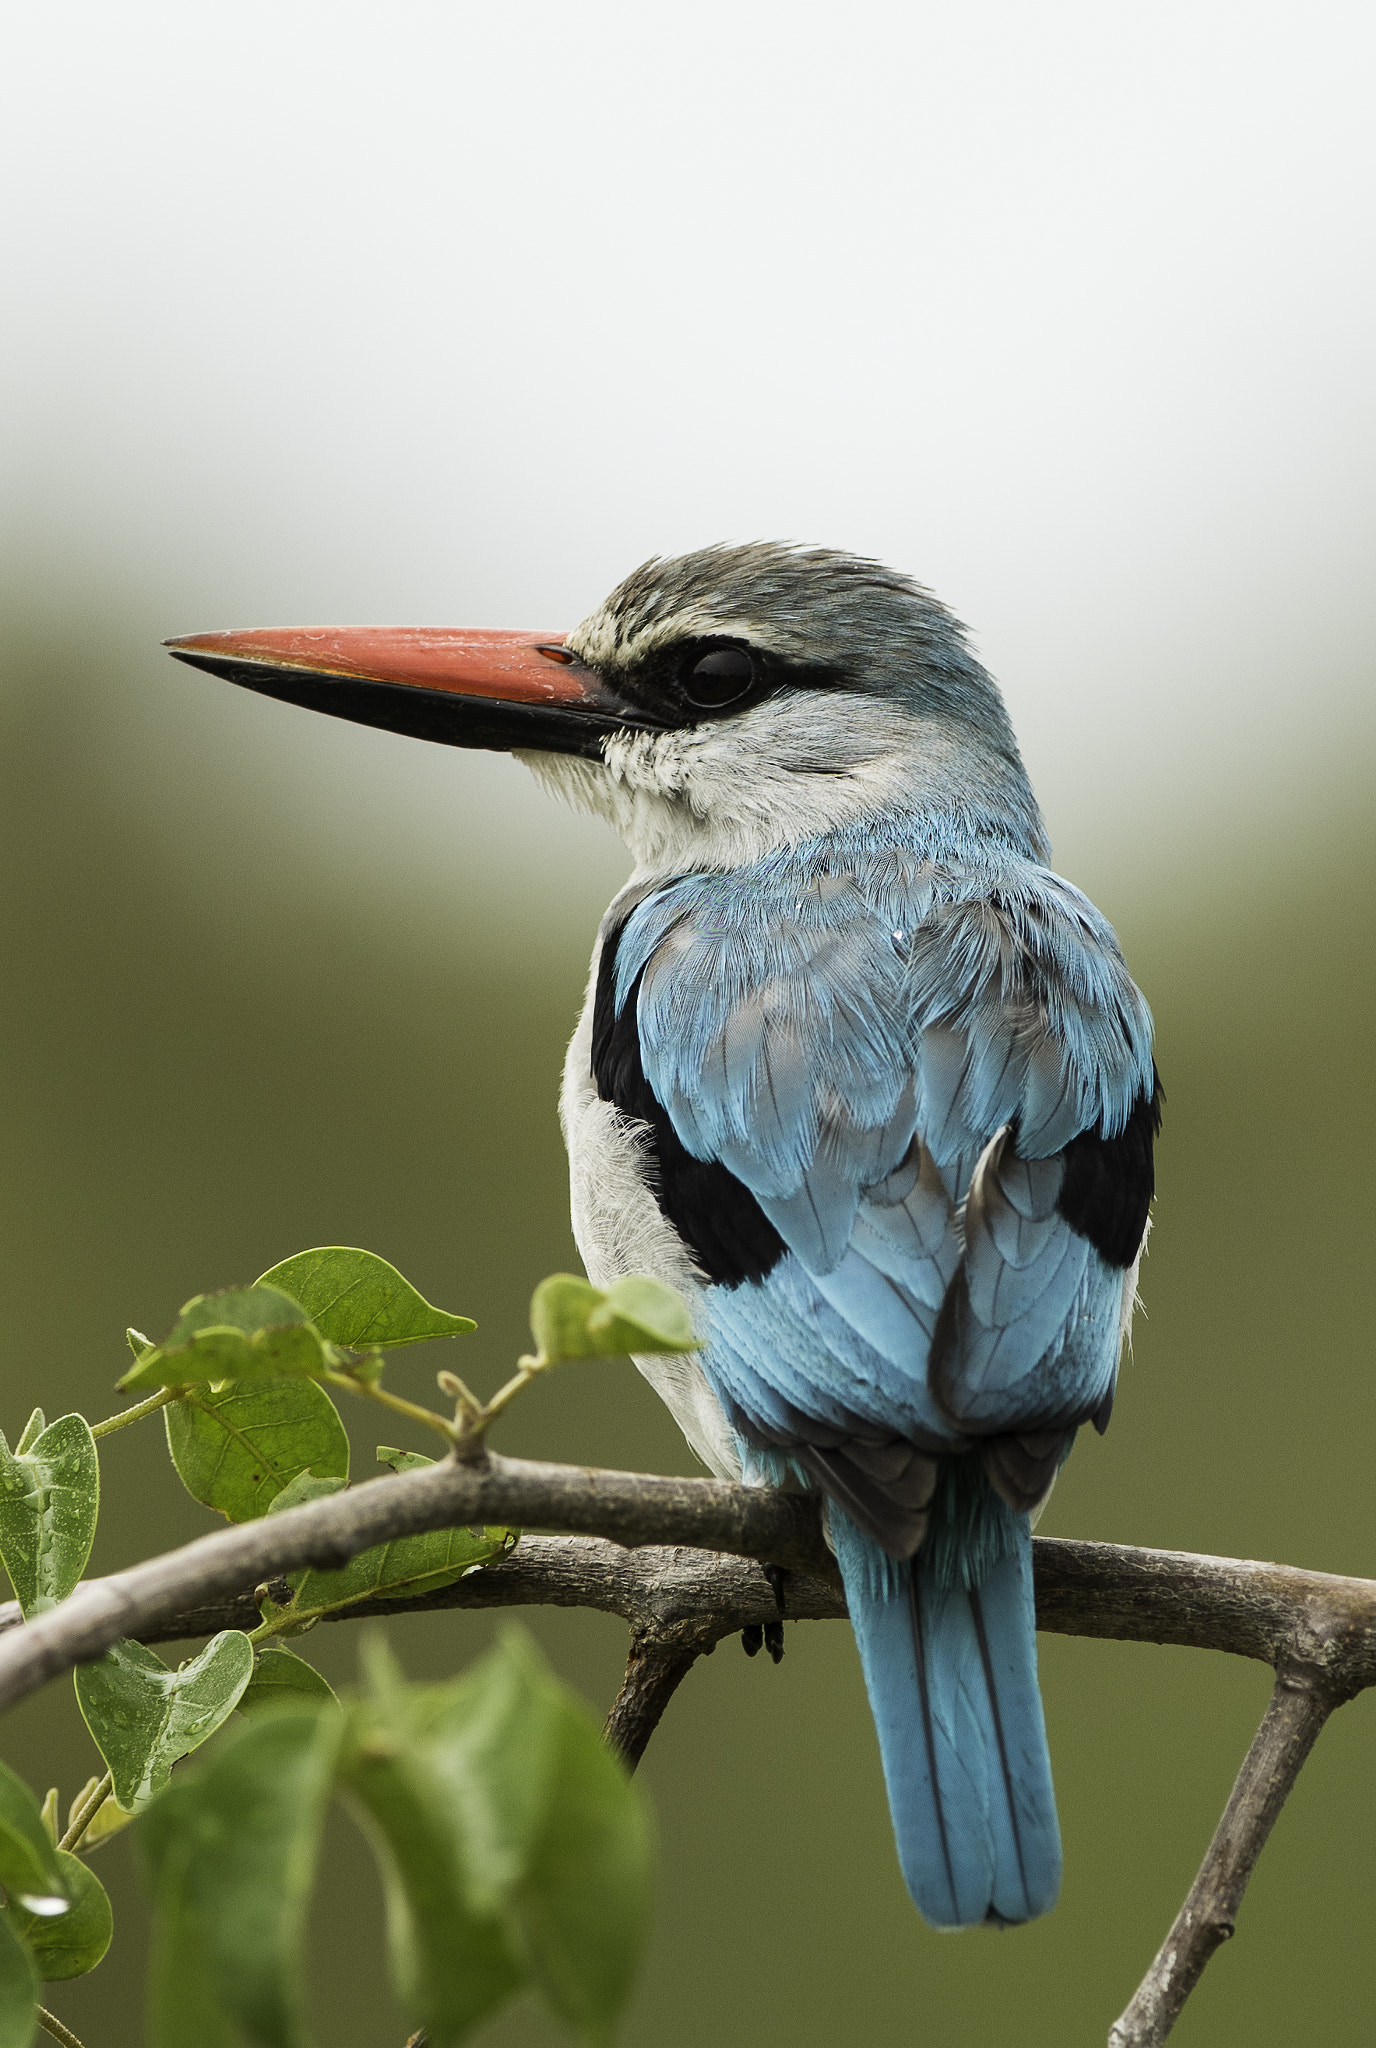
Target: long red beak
{"x":498,"y":690}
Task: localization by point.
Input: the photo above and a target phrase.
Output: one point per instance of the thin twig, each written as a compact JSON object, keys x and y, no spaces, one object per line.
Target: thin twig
{"x":410,"y":1409}
{"x":137,"y":1412}
{"x":52,"y":2025}
{"x":527,"y":1369}
{"x":1290,"y":1727}
{"x":87,"y":1812}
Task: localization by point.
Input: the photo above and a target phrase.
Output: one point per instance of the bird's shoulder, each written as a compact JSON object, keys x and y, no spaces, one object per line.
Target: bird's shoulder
{"x":870,"y":961}
{"x":917,"y":1096}
{"x":797,"y":1022}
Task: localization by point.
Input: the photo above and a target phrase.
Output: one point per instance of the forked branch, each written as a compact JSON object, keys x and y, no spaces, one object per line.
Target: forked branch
{"x":1292,"y":1724}
{"x":682,"y":1561}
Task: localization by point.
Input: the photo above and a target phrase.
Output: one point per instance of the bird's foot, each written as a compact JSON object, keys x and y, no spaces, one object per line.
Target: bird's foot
{"x":767,"y":1635}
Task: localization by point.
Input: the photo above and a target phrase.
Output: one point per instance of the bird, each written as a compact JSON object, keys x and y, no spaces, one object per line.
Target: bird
{"x":858,"y":1073}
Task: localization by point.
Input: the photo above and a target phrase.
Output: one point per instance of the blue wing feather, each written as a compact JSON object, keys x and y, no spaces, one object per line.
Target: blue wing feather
{"x":890,"y":1054}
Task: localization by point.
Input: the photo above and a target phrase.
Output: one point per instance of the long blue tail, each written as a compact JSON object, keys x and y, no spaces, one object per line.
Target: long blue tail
{"x":952,"y":1678}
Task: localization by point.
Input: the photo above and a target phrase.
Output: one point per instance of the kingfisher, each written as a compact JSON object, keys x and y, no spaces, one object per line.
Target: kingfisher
{"x":859,"y":1074}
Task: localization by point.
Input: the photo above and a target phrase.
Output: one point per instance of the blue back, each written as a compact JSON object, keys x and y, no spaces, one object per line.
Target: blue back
{"x":845,"y":1029}
{"x":923,"y":1069}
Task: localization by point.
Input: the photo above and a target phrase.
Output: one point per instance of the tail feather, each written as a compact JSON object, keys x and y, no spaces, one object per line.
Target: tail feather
{"x":1006,"y":1782}
{"x":952,"y":1678}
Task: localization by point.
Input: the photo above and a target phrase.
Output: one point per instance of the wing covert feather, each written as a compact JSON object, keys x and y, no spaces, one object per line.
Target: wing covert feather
{"x":890,"y":1056}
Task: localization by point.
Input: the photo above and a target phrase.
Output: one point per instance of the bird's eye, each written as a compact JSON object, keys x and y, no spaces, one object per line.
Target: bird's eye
{"x":721,"y":677}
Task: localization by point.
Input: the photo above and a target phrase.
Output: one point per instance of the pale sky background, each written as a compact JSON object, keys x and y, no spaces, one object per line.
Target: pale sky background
{"x":446,"y":312}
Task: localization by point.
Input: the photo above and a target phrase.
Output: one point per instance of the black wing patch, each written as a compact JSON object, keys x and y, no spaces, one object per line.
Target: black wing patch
{"x":714,"y":1213}
{"x":1109,"y":1182}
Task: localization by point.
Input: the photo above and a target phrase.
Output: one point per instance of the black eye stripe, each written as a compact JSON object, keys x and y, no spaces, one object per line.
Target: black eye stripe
{"x":698,"y":679}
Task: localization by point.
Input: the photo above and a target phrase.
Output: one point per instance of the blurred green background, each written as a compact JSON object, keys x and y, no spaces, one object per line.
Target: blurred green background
{"x":450,"y":313}
{"x":223,"y":1043}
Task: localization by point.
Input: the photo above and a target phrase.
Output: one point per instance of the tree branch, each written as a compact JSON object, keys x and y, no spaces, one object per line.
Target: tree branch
{"x":1291,"y":1726}
{"x":651,"y":1589}
{"x":1275,"y":1613}
{"x":630,"y":1508}
{"x":680,"y":1561}
{"x":655,"y":1668}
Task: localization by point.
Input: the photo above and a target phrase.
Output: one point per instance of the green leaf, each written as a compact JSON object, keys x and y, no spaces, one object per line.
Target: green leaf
{"x":143,"y":1716}
{"x":499,"y":1785}
{"x":644,"y":1315}
{"x":570,"y":1318}
{"x":556,"y":1836}
{"x":357,"y":1299}
{"x":111,"y":1820}
{"x":401,"y":1461}
{"x":241,"y":1333}
{"x":279,"y":1674}
{"x":494,"y":1735}
{"x":33,"y":1430}
{"x":305,"y":1487}
{"x":49,"y":1501}
{"x":183,"y":2002}
{"x":232,"y":1849}
{"x":73,"y":1943}
{"x":451,"y":1967}
{"x":400,"y":1570}
{"x":239,"y":1449}
{"x":584,"y":1907}
{"x":18,"y":1989}
{"x":29,"y":1869}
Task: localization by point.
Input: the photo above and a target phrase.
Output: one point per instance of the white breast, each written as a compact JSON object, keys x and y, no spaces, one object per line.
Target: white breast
{"x":619,"y":1230}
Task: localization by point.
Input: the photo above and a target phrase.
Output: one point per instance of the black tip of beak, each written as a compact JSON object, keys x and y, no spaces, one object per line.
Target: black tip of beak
{"x":214,"y":665}
{"x":443,"y":717}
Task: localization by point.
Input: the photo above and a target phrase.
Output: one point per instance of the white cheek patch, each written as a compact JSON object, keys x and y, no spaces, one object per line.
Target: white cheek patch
{"x":722,"y":794}
{"x":730,"y":791}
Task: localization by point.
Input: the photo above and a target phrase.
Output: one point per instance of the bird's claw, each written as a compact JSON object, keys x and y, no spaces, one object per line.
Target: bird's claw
{"x":767,"y":1635}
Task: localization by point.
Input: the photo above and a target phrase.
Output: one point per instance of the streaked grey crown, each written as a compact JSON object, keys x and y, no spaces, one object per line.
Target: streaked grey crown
{"x":836,"y":617}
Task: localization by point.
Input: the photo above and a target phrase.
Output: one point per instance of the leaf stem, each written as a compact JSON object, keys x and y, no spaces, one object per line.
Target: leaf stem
{"x":137,"y":1413}
{"x":84,"y":1815}
{"x":52,"y":2025}
{"x":474,"y":1418}
{"x":411,"y":1409}
{"x":461,"y":1394}
{"x":526,"y":1370}
{"x":278,"y":1626}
